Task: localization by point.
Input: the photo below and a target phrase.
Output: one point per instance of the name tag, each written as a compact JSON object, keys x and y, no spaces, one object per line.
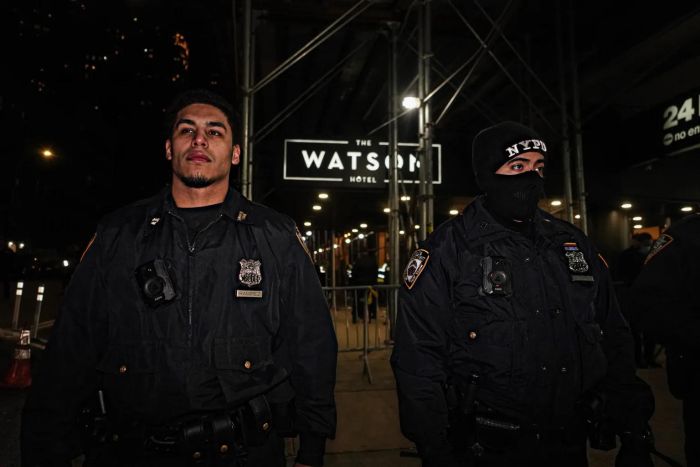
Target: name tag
{"x":241,"y":293}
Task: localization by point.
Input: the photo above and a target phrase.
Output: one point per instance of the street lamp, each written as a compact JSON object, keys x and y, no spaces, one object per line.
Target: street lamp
{"x":47,"y":153}
{"x":410,"y":102}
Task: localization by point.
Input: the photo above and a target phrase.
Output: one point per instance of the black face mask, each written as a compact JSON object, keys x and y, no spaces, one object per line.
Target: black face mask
{"x":514,"y":197}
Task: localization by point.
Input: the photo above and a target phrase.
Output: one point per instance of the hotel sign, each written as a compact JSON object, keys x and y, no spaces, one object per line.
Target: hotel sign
{"x":353,"y":162}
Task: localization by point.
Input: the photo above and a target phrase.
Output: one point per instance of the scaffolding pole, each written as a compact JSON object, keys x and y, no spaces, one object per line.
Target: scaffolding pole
{"x":425,"y":188}
{"x":578,"y":142}
{"x":395,"y":255}
{"x":246,"y":163}
{"x":563,"y":111}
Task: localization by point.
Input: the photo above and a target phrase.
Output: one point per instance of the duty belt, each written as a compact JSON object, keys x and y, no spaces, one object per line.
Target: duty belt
{"x":221,"y":435}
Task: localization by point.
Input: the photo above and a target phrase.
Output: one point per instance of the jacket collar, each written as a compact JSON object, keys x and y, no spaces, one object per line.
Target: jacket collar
{"x":235,"y":206}
{"x":481,"y":227}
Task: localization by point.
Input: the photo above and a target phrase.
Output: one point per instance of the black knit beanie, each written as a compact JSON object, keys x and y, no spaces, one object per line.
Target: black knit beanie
{"x":496,"y":145}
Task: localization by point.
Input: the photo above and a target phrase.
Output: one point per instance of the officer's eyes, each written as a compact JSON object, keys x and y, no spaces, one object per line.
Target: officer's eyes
{"x":214,"y":133}
{"x":186,"y":130}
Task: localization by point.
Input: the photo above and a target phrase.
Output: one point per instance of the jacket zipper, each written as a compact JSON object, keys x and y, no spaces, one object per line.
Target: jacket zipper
{"x":191,"y":250}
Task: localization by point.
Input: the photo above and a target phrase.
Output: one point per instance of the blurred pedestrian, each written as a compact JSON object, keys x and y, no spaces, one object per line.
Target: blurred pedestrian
{"x":629,"y":265}
{"x":667,"y":299}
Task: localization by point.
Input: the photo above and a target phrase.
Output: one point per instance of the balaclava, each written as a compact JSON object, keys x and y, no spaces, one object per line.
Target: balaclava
{"x":508,"y":197}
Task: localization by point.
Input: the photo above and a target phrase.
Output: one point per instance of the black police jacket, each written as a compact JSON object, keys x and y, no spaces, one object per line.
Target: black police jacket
{"x":537,"y":345}
{"x":217,"y":344}
{"x":665,"y":296}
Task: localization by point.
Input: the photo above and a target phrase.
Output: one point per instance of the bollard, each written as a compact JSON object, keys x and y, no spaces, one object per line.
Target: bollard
{"x":18,"y":303}
{"x":37,"y":310}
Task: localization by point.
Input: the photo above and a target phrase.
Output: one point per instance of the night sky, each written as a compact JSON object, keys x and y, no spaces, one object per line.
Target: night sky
{"x":89,"y":81}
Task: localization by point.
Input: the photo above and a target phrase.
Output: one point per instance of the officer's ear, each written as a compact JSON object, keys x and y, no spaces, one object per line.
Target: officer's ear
{"x":168,"y":149}
{"x":236,"y":157}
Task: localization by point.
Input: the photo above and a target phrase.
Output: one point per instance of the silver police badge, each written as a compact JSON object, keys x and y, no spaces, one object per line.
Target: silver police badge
{"x":577,"y":262}
{"x":250,"y":274}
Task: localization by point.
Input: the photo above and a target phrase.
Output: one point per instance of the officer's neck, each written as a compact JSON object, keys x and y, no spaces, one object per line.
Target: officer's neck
{"x":188,"y":197}
{"x":525,"y":227}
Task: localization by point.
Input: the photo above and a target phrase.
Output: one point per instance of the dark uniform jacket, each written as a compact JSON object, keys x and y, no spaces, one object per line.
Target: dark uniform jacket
{"x":206,"y":350}
{"x":665,"y":296}
{"x":536,"y":350}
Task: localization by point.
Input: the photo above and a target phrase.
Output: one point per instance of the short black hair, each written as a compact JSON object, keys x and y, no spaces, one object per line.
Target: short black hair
{"x":201,"y":96}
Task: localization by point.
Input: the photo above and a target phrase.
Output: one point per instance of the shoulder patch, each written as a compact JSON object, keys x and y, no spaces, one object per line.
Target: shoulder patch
{"x":303,"y":244}
{"x":662,"y":242}
{"x":414,"y":268}
{"x":92,"y":240}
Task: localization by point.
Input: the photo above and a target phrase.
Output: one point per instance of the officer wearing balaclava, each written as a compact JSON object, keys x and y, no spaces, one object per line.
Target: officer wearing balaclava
{"x":510,"y":346}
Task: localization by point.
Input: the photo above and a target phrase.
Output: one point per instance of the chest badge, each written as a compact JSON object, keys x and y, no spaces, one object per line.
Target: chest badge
{"x":578,"y":267}
{"x":415,"y":267}
{"x":250,"y":274}
{"x":577,"y":262}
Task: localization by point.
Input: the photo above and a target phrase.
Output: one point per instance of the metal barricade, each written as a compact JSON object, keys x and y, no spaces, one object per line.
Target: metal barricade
{"x":363,"y":318}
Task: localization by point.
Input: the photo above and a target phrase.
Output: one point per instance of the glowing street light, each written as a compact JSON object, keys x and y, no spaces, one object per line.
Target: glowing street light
{"x":687,"y":208}
{"x":626,"y":205}
{"x":410,"y":102}
{"x":387,"y":210}
{"x":637,"y":218}
{"x":638,"y":226}
{"x":363,"y":226}
{"x":307,"y":224}
{"x":323,"y":196}
{"x":577,"y":216}
{"x":316,"y":207}
{"x":355,"y":230}
{"x":555,"y":202}
{"x":453,"y":212}
{"x":47,"y":153}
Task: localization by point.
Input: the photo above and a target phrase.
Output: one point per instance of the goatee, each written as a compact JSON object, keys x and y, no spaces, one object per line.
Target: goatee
{"x":196,"y":181}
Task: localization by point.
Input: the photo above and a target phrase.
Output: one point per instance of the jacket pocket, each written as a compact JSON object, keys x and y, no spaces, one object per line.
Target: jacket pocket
{"x":594,"y":363}
{"x":244,"y":367}
{"x":484,"y":346}
{"x":129,"y":376}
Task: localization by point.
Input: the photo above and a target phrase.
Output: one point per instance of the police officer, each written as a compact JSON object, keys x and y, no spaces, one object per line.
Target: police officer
{"x":508,"y":335}
{"x":668,"y":305}
{"x":195,"y":322}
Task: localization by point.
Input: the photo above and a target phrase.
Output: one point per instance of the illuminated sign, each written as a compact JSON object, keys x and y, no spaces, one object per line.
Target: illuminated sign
{"x":681,"y":124}
{"x":353,"y":162}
